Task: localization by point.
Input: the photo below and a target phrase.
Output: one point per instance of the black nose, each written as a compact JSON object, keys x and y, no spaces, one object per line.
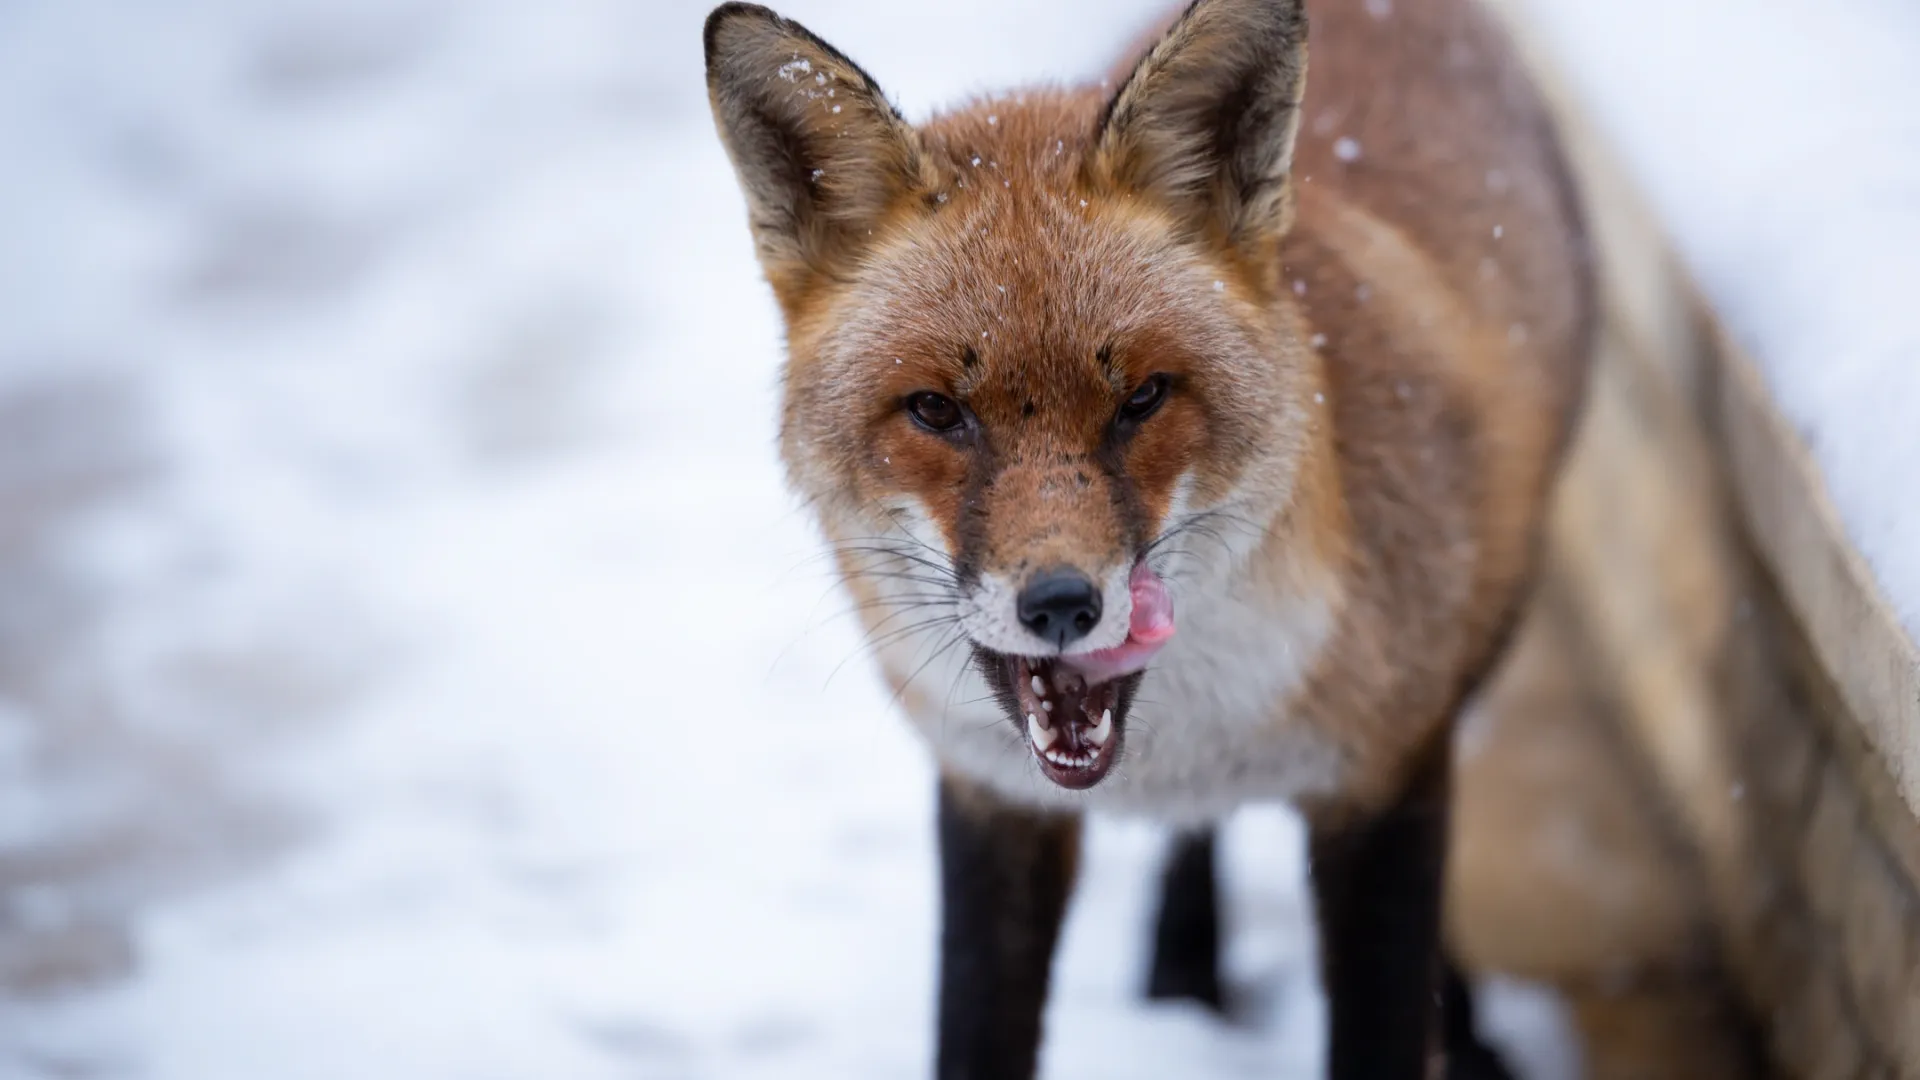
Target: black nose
{"x":1060,"y":606}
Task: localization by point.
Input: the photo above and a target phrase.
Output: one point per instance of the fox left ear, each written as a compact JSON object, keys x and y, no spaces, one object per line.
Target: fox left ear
{"x":1206,"y":122}
{"x":821,"y":154}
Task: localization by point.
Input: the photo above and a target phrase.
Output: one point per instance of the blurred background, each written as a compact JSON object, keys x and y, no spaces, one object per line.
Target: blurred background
{"x":410,"y":663}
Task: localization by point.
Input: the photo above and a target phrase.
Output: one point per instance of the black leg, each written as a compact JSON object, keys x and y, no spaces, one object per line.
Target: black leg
{"x":1186,"y":935}
{"x":1377,"y":886}
{"x":1467,"y":1057}
{"x":1005,"y":874}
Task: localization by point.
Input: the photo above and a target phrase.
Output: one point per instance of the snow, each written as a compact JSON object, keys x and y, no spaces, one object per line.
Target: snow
{"x":410,"y":662}
{"x":1779,"y":145}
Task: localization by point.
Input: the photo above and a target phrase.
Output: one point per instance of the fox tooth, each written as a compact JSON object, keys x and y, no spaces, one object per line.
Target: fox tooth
{"x":1039,"y":688}
{"x":1103,"y":730}
{"x":1042,"y":735}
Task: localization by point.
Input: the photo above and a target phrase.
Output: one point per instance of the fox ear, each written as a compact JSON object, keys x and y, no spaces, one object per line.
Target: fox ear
{"x":1206,"y":121}
{"x":820,"y":153}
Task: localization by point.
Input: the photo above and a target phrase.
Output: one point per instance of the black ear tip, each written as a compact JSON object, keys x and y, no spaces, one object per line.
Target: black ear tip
{"x":727,"y":14}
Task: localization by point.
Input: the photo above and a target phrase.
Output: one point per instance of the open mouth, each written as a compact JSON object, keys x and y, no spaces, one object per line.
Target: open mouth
{"x":1073,"y":726}
{"x":1073,"y":709}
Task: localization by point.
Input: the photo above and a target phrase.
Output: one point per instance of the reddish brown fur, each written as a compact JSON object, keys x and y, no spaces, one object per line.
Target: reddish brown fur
{"x":1459,"y":215}
{"x":1445,"y":268}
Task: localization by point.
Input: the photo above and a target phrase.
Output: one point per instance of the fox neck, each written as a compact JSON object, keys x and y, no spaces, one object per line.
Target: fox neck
{"x":1310,"y":528}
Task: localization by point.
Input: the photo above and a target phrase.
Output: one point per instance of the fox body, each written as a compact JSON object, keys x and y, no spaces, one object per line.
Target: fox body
{"x":1183,"y":441}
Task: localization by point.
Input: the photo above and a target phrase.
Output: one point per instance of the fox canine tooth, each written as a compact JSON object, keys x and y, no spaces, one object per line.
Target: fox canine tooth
{"x":1042,"y":736}
{"x":1103,"y":730}
{"x":1039,"y":688}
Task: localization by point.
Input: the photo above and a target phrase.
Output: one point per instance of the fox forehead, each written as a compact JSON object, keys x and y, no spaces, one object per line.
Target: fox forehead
{"x":1026,"y":292}
{"x":1016,"y":279}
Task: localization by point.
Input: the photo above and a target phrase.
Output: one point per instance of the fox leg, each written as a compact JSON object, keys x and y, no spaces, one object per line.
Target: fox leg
{"x":1005,"y":875}
{"x":1186,"y":934}
{"x":1468,"y":1058}
{"x":1377,"y":885}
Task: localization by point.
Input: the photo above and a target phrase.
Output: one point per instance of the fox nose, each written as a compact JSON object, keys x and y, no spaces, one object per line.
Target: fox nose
{"x":1060,"y":606}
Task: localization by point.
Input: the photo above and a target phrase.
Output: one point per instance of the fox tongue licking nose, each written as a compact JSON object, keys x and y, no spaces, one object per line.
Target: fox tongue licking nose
{"x":1152,"y":621}
{"x":1150,"y":628}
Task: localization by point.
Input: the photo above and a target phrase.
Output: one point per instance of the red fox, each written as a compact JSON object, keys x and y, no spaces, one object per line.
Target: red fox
{"x":1184,"y":445}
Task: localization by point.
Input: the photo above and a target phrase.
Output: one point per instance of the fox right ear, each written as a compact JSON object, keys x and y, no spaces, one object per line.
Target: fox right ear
{"x":821,"y":154}
{"x":1206,"y":122}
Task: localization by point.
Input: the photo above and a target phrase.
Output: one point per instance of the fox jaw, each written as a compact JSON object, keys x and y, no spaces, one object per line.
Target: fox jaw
{"x":1044,"y":388}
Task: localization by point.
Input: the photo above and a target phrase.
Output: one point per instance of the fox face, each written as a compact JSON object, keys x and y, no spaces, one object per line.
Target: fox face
{"x":1043,"y":375}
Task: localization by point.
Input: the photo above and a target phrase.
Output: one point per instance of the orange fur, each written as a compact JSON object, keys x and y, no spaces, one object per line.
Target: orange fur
{"x":1378,"y":386}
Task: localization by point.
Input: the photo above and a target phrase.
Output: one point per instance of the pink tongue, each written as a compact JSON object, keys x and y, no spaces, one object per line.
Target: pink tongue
{"x":1152,"y":608}
{"x":1149,"y":629}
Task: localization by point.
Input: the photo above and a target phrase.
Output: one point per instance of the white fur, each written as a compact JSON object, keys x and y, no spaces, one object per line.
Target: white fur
{"x":911,"y":517}
{"x":1208,"y":730}
{"x":987,"y":611}
{"x":1181,"y":504}
{"x":1116,"y":611}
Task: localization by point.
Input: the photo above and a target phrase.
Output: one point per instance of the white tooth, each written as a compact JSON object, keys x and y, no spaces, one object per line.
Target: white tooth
{"x":1042,"y":736}
{"x":1039,"y":688}
{"x":1103,"y":730}
{"x":1047,"y":705}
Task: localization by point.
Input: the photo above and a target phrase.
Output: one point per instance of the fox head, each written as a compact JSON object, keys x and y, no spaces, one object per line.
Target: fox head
{"x":1039,"y":348}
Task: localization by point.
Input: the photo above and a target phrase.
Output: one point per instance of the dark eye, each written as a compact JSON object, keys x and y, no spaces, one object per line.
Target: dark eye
{"x":1145,"y":400}
{"x":935,"y":412}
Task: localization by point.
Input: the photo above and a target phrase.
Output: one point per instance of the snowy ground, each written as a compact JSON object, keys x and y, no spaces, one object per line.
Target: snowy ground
{"x":410,"y":665}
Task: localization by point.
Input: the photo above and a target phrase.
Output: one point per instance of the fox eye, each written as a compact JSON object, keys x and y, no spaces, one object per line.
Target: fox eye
{"x":935,"y":412}
{"x":1145,"y":400}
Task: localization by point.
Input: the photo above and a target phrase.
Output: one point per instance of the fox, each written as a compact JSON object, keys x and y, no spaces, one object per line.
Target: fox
{"x":1183,"y":441}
